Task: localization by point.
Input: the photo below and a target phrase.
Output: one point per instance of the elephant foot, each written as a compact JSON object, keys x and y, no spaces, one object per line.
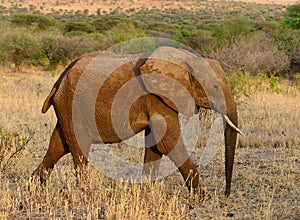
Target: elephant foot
{"x":198,"y":195}
{"x":40,"y":175}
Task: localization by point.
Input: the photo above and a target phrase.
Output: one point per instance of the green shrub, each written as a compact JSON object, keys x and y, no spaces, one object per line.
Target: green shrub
{"x":236,"y":29}
{"x":120,"y":33}
{"x":270,"y":28}
{"x":292,"y":17}
{"x":293,"y":23}
{"x":18,"y":46}
{"x":59,"y":49}
{"x":40,"y":22}
{"x":293,"y":11}
{"x":274,"y":84}
{"x":79,"y":26}
{"x":243,"y":84}
{"x":110,"y":21}
{"x":199,"y":40}
{"x":161,"y":29}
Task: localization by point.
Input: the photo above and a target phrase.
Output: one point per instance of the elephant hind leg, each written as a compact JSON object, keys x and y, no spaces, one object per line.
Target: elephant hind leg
{"x":57,"y":148}
{"x":152,"y":156}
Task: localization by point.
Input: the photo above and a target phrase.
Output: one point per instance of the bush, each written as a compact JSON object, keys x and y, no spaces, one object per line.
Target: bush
{"x":79,"y":26}
{"x":243,"y":84}
{"x":236,"y":29}
{"x":40,"y":22}
{"x":270,"y":28}
{"x":108,"y":22}
{"x":293,"y":23}
{"x":199,"y":40}
{"x":295,"y":61}
{"x":292,"y":17}
{"x":119,"y":34}
{"x":254,"y":55}
{"x":62,"y":49}
{"x":18,"y":46}
{"x":293,"y":11}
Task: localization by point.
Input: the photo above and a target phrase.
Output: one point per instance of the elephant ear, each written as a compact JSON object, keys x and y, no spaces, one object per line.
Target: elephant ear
{"x":182,"y":80}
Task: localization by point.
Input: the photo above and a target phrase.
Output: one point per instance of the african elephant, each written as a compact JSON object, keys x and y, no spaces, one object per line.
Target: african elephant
{"x":77,"y":128}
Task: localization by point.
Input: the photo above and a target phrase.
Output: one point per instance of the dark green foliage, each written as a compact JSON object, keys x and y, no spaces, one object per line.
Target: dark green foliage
{"x":295,"y":59}
{"x":293,"y":11}
{"x":236,"y":29}
{"x":287,"y":39}
{"x":292,"y":22}
{"x":292,"y":17}
{"x":200,"y":40}
{"x":270,"y":28}
{"x":49,"y":48}
{"x":106,"y":23}
{"x":18,"y":46}
{"x":161,"y":29}
{"x":61,"y":49}
{"x":243,"y":84}
{"x":79,"y":26}
{"x":40,"y":22}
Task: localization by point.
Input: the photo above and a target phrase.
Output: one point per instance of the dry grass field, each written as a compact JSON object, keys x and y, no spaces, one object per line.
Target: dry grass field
{"x":125,"y":5}
{"x":265,"y":182}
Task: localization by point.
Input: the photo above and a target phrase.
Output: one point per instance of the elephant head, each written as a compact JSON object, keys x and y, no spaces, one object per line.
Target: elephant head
{"x":205,"y":81}
{"x":202,"y":82}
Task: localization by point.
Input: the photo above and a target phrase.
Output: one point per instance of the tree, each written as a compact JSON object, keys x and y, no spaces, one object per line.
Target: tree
{"x":62,"y":49}
{"x":39,"y":22}
{"x":18,"y":46}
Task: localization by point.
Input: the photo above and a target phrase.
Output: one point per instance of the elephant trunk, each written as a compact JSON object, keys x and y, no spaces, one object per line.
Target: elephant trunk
{"x":230,"y":144}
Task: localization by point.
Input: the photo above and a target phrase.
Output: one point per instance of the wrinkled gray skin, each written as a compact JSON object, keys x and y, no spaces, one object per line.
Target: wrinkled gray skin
{"x":63,"y":139}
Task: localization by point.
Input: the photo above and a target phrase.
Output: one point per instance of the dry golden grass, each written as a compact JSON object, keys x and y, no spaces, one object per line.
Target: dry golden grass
{"x":124,"y":5}
{"x":265,"y":182}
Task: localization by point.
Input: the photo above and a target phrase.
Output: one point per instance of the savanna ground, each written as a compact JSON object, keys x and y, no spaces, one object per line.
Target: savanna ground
{"x":91,"y":6}
{"x":265,"y":182}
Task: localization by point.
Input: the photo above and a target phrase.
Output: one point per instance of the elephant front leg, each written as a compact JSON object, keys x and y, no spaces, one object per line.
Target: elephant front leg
{"x":167,"y":130}
{"x":186,"y":166}
{"x":57,"y":149}
{"x":152,"y":156}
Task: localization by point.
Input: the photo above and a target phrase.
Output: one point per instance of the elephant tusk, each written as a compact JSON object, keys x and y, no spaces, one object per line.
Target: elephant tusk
{"x":229,"y":122}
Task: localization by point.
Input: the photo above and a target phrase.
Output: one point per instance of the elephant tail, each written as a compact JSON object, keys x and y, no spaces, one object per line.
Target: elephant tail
{"x":48,"y":102}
